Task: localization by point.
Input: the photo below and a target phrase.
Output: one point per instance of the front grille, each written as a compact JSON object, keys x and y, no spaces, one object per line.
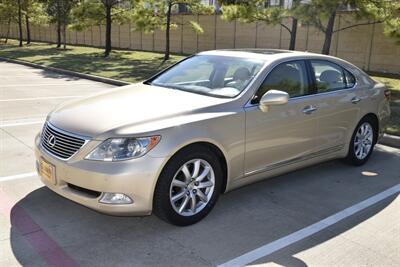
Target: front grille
{"x":60,"y":143}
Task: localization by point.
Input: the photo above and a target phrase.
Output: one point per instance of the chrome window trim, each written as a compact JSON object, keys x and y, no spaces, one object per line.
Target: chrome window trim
{"x":85,"y":138}
{"x":340,"y":66}
{"x":249,"y":104}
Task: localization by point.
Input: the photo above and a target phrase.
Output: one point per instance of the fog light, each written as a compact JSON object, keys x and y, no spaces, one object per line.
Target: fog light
{"x":115,"y":198}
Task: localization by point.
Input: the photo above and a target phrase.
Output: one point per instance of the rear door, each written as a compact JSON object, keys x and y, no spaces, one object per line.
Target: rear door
{"x":337,"y":102}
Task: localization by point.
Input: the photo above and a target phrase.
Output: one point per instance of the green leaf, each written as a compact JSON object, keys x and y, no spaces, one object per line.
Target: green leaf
{"x":196,"y":27}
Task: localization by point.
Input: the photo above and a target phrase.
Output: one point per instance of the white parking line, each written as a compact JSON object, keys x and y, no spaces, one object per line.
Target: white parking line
{"x":18,"y":176}
{"x":46,"y":84}
{"x":38,"y":98}
{"x":19,"y":123}
{"x":288,"y":240}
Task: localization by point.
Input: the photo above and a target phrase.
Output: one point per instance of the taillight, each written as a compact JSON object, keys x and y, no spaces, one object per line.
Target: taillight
{"x":387,"y":94}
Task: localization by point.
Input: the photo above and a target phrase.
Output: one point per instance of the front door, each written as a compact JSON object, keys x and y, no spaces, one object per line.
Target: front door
{"x":285,"y":133}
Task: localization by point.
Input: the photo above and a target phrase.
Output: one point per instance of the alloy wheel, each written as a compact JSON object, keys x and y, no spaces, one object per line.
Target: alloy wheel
{"x":192,"y":187}
{"x":363,"y":140}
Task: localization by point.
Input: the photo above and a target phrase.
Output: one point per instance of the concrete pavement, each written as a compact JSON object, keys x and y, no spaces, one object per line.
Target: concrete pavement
{"x":40,"y":228}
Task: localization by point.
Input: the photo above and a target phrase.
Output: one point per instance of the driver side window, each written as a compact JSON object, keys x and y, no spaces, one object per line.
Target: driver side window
{"x":290,"y":77}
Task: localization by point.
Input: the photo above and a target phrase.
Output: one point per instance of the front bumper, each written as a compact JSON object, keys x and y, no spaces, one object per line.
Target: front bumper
{"x":135,"y":178}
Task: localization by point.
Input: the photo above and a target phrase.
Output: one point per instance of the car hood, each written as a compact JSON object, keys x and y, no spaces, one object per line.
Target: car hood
{"x":129,"y":106}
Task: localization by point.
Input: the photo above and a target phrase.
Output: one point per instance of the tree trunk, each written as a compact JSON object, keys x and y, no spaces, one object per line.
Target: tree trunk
{"x":293,"y":35}
{"x":8,"y":30}
{"x":20,"y":22}
{"x":328,"y":34}
{"x":167,"y":32}
{"x":28,"y":30}
{"x":65,"y":34}
{"x":58,"y":32}
{"x":58,"y":25}
{"x":108,"y":31}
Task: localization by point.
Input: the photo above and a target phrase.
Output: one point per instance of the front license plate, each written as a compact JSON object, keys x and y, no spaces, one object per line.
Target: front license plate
{"x":47,"y":171}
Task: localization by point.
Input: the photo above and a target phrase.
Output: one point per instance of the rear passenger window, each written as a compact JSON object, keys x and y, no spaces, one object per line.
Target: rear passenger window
{"x":331,"y":77}
{"x":290,"y":77}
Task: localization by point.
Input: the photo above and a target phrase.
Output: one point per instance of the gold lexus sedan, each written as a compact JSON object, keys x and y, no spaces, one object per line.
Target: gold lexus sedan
{"x":213,"y":122}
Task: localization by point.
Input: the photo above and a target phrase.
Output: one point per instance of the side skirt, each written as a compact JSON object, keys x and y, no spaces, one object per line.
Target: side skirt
{"x":296,"y":160}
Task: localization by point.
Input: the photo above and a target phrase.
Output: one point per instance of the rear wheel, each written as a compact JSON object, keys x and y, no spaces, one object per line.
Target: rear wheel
{"x":188,"y":187}
{"x":362,"y":142}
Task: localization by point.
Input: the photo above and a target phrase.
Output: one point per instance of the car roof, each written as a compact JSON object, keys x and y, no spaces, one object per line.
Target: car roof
{"x":271,"y":55}
{"x":263,"y":54}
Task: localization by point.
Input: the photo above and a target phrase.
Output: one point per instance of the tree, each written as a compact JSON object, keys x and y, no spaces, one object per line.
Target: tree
{"x":19,"y":6}
{"x":97,"y":12}
{"x":256,"y":11}
{"x":391,"y":19}
{"x":24,"y":12}
{"x":318,"y":11}
{"x":8,"y":14}
{"x":59,"y":12}
{"x":32,"y":11}
{"x":392,"y":28}
{"x":150,"y":15}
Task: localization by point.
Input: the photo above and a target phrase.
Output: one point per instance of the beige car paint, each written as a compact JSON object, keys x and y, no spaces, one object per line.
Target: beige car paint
{"x":255,"y":144}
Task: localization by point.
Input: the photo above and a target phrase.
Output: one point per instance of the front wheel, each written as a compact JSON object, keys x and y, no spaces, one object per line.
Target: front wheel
{"x":188,"y":187}
{"x":362,"y":142}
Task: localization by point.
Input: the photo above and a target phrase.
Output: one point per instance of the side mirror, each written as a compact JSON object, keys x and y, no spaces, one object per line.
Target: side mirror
{"x":273,"y":97}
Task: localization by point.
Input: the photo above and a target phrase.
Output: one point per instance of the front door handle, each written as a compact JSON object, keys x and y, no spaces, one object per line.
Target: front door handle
{"x":309,"y":109}
{"x":355,"y":100}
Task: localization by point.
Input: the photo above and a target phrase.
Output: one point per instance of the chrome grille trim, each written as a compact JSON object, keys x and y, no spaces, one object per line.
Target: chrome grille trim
{"x":66,"y":144}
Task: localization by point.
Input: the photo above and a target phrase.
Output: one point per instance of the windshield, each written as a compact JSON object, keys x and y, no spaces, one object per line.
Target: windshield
{"x":211,"y":75}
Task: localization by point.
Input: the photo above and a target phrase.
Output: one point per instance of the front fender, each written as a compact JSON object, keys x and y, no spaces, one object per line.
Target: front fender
{"x":225,"y":132}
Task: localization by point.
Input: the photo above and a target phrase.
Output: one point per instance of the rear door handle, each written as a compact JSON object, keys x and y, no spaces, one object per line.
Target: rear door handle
{"x":309,"y":109}
{"x":355,"y":100}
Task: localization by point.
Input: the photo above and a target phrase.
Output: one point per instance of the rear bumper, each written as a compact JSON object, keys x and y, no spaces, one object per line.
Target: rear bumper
{"x":135,"y":178}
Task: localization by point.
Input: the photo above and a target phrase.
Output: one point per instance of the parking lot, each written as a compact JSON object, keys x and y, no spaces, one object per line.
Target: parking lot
{"x":277,"y":222}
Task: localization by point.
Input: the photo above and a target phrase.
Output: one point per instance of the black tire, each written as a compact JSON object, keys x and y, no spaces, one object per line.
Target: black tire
{"x":162,"y":206}
{"x":351,"y":157}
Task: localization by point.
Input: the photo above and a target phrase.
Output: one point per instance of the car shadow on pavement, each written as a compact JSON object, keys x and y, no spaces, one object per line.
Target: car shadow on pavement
{"x":242,"y":220}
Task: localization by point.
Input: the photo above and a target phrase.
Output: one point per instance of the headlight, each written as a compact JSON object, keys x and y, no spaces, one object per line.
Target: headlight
{"x":115,"y":149}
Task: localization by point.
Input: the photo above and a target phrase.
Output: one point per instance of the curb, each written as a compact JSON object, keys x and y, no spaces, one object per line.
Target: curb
{"x":390,"y":140}
{"x":67,"y":72}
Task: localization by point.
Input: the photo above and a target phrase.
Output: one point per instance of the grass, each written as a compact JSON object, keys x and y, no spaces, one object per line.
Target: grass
{"x":134,"y":66}
{"x":130,"y":66}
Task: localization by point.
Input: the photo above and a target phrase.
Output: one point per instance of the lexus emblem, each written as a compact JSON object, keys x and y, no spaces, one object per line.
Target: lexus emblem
{"x":51,"y":140}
